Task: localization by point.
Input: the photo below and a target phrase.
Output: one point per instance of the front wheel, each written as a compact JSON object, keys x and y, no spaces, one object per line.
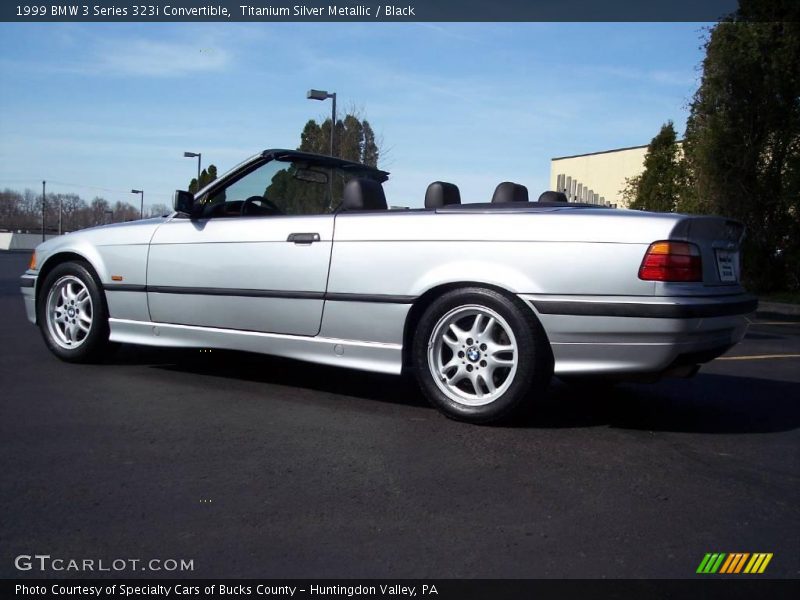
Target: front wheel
{"x":72,"y":314}
{"x":480,"y":356}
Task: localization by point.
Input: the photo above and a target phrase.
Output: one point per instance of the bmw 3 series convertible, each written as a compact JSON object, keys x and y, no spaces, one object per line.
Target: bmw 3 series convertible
{"x":299,"y":255}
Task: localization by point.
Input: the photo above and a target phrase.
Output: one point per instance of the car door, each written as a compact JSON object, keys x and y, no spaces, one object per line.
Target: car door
{"x":253,"y":259}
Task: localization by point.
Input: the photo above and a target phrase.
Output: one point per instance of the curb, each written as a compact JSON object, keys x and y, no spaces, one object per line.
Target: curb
{"x":778,"y":308}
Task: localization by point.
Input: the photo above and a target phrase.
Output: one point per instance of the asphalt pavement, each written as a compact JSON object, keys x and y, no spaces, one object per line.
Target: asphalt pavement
{"x":252,"y":466}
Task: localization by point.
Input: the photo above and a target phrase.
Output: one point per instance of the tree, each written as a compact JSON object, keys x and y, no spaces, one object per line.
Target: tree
{"x":70,"y":205}
{"x":11,"y":209}
{"x":355,"y":139}
{"x":123,"y":211}
{"x":661,"y":184}
{"x":158,"y":210}
{"x":97,"y":211}
{"x":24,"y":211}
{"x":743,"y":136}
{"x":206,"y":176}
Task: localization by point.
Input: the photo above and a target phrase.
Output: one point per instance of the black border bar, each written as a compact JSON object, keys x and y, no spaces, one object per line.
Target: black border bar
{"x":316,"y":11}
{"x":707,"y":587}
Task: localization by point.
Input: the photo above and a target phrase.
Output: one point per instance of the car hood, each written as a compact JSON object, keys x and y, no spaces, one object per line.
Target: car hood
{"x":116,"y":234}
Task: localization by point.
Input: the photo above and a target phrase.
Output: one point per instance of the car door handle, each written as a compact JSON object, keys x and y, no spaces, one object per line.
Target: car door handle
{"x":303,"y":238}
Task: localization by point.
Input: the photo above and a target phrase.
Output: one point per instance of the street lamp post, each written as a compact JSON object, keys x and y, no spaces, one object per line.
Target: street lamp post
{"x":141,"y":210}
{"x":193,"y":155}
{"x":324,"y":95}
{"x":44,"y":205}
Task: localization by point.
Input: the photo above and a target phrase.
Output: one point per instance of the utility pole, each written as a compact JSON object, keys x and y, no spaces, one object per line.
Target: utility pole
{"x":44,"y":203}
{"x":60,"y":213}
{"x":333,"y":122}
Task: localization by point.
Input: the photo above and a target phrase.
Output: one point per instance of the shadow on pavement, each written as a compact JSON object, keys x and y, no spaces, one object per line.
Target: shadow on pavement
{"x":708,"y":403}
{"x":277,"y":371}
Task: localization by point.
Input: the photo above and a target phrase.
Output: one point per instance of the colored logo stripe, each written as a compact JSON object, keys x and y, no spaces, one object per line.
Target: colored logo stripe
{"x":734,"y":563}
{"x":758,"y":563}
{"x":711,"y":562}
{"x":720,"y":562}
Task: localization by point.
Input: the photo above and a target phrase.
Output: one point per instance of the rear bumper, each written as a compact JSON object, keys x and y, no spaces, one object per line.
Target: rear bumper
{"x":639,"y":336}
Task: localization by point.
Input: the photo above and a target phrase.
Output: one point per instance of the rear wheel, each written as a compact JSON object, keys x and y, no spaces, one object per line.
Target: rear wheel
{"x":480,"y":356}
{"x":72,"y":314}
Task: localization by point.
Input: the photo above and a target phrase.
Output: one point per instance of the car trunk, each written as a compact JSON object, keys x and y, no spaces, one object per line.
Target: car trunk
{"x":719,"y":240}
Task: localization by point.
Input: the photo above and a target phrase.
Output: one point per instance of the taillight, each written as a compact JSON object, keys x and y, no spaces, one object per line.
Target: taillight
{"x":32,"y":264}
{"x":672,"y":261}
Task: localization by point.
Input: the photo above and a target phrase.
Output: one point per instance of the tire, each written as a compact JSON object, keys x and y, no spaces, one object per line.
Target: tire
{"x":481,"y":356}
{"x":72,"y":314}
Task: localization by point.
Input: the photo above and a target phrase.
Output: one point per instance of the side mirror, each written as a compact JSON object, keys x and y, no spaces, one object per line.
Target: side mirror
{"x":183,"y":201}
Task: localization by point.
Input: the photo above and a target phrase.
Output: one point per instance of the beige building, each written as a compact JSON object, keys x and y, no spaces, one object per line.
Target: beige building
{"x":597,"y":177}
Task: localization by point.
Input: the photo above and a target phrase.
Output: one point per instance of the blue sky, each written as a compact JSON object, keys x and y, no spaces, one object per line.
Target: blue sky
{"x":111,"y":107}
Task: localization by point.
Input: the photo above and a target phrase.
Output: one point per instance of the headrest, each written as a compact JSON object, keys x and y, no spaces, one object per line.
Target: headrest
{"x":551,"y":196}
{"x":510,"y":192}
{"x":440,"y":193}
{"x":363,"y":194}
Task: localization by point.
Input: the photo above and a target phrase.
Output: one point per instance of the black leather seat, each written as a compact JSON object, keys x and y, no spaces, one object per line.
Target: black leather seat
{"x":363,"y":194}
{"x":441,"y":193}
{"x":551,"y":196}
{"x":510,"y":192}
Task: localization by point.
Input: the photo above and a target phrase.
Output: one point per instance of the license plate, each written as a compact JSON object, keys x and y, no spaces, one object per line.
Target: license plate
{"x":727,"y":265}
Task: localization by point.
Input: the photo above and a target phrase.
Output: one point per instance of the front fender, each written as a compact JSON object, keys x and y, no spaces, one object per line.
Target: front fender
{"x":52,"y":251}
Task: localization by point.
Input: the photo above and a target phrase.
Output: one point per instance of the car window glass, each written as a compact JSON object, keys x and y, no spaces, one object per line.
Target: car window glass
{"x":279,"y":188}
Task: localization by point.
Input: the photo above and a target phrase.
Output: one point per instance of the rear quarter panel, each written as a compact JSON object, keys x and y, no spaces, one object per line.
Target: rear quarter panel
{"x":545,"y":253}
{"x":411,"y":253}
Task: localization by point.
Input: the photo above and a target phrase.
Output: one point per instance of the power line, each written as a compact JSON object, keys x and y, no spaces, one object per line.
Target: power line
{"x":102,"y":189}
{"x":84,"y":186}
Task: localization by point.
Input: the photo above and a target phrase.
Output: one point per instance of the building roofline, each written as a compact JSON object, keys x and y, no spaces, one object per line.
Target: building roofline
{"x":607,"y":151}
{"x":600,"y":152}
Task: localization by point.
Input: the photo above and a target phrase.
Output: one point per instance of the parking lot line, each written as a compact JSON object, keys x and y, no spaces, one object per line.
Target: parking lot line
{"x":759,"y":357}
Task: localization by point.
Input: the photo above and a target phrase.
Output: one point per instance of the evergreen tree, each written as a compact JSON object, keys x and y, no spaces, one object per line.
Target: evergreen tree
{"x":743,"y":135}
{"x":355,"y":139}
{"x":207,"y":175}
{"x":662,"y":182}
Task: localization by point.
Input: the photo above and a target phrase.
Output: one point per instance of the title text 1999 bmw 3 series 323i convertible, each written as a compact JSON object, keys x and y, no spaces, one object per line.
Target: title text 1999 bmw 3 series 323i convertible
{"x":298,"y":255}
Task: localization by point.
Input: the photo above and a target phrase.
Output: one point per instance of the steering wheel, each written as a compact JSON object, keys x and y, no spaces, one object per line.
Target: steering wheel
{"x":252,"y":200}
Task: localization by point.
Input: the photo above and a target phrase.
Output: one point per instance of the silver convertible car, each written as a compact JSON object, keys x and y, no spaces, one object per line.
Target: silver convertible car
{"x":298,"y":255}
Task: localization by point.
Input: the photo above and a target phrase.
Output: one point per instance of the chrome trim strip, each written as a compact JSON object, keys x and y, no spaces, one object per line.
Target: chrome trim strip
{"x":124,"y":287}
{"x":646,"y":310}
{"x":247,"y":293}
{"x":383,"y":298}
{"x":250,"y":293}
